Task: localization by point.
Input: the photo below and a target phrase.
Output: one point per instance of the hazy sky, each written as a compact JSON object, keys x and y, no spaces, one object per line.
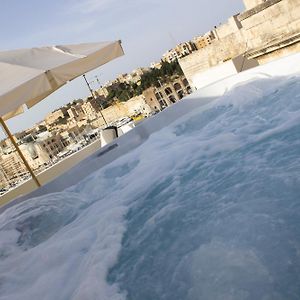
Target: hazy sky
{"x":147,"y":28}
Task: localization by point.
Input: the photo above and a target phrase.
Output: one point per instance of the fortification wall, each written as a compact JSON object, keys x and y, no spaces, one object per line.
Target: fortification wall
{"x":252,"y":3}
{"x":269,"y":23}
{"x":265,"y":32}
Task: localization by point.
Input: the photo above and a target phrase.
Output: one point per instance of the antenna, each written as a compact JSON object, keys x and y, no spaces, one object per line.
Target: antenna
{"x":98,"y":81}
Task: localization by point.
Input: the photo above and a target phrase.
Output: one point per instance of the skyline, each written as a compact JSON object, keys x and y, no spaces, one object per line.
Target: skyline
{"x":67,"y":21}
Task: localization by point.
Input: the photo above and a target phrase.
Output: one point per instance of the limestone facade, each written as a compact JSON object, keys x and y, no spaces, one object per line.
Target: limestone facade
{"x":252,"y":3}
{"x":51,"y":144}
{"x":55,"y":115}
{"x":181,"y":50}
{"x":91,"y":108}
{"x":204,"y":40}
{"x":114,"y":112}
{"x":161,"y":97}
{"x":12,"y":167}
{"x":265,"y":31}
{"x":137,"y":105}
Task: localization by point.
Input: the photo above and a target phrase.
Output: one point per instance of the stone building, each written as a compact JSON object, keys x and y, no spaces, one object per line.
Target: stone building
{"x":114,"y":112}
{"x":98,"y":123}
{"x":154,"y":99}
{"x":52,"y":144}
{"x":181,"y":50}
{"x":6,"y":147}
{"x":204,"y":40}
{"x":72,"y":135}
{"x":265,"y":31}
{"x":35,"y":155}
{"x":103,"y":91}
{"x":52,"y":117}
{"x":252,"y":3}
{"x":4,"y":181}
{"x":76,"y":113}
{"x":12,"y":167}
{"x":161,"y":97}
{"x":137,"y":105}
{"x":91,"y":108}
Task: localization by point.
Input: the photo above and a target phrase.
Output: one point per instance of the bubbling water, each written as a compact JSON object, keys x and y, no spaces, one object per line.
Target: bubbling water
{"x":206,"y":208}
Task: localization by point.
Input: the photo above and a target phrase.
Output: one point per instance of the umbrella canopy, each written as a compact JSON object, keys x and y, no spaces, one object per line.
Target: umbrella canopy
{"x":27,"y":76}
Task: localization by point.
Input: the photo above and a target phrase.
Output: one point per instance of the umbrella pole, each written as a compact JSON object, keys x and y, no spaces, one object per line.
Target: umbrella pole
{"x":19,"y":151}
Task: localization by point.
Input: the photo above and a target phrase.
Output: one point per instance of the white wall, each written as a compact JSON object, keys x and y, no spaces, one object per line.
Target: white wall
{"x":221,"y":71}
{"x":200,"y":80}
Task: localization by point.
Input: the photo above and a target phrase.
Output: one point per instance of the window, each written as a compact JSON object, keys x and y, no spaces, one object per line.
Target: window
{"x":172,"y":99}
{"x":158,"y":95}
{"x":168,"y":91}
{"x":177,"y":86}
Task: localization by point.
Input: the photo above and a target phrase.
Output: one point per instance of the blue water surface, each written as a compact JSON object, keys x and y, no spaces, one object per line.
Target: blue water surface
{"x":225,"y":223}
{"x":207,"y":208}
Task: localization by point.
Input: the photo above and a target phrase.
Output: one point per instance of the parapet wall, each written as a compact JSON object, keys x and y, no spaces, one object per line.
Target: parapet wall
{"x":252,"y":3}
{"x":260,"y":6}
{"x":273,"y":20}
{"x":262,"y":32}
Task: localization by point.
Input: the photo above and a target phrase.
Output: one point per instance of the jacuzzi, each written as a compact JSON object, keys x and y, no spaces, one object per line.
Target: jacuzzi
{"x":201,"y":201}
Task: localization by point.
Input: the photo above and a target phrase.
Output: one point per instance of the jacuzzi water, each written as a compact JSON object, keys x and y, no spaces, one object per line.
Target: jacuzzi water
{"x":207,"y":208}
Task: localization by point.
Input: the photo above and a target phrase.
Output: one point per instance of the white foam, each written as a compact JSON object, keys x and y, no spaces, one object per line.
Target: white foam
{"x":62,"y":245}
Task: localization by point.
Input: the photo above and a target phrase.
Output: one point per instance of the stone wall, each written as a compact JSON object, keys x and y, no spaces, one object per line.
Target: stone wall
{"x":136,"y":105}
{"x":114,"y":112}
{"x":252,"y":3}
{"x":269,"y":30}
{"x":270,"y":22}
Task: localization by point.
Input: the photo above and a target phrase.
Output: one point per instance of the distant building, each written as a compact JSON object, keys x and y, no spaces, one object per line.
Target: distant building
{"x":159,"y":98}
{"x":91,"y":108}
{"x":137,"y":105}
{"x":19,"y":136}
{"x":6,"y":147}
{"x":4,"y":181}
{"x":103,"y":91}
{"x":35,"y":155}
{"x":114,"y":112}
{"x":181,"y":50}
{"x":123,"y":78}
{"x":136,"y":75}
{"x":204,"y":40}
{"x":265,"y":31}
{"x":154,"y":99}
{"x":76,"y":113}
{"x":51,"y":144}
{"x":72,"y":135}
{"x":55,"y":115}
{"x":12,"y":167}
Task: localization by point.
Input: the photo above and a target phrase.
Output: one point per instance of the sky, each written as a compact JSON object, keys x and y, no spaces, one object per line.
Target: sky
{"x":147,"y":28}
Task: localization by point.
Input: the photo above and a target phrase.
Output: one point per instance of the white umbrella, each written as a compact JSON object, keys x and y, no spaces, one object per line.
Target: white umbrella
{"x":27,"y":76}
